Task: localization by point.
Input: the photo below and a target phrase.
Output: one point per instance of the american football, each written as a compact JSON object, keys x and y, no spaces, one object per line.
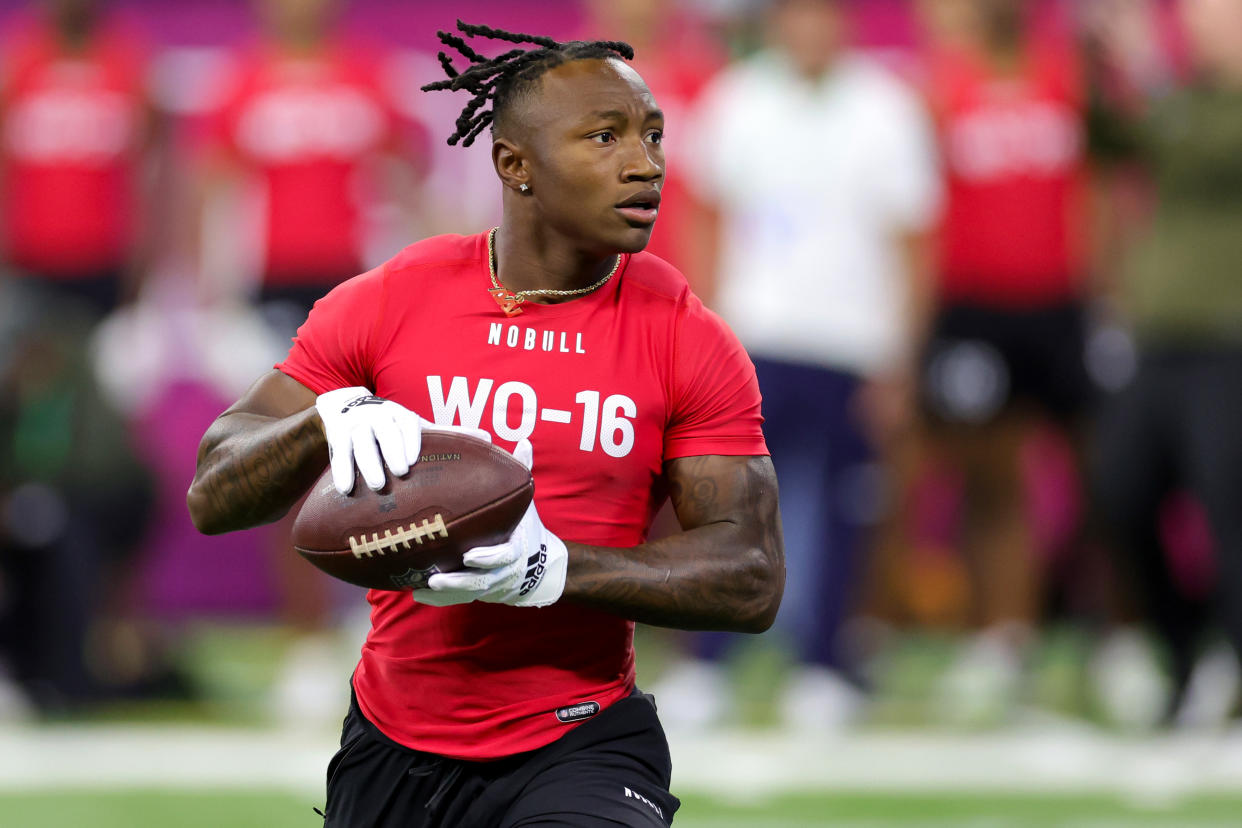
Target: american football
{"x":462,"y":493}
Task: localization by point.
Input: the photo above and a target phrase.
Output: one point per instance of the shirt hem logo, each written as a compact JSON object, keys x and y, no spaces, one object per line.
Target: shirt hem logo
{"x":577,"y":712}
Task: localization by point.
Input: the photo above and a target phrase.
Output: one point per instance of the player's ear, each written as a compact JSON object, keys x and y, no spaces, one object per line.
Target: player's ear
{"x":510,"y":163}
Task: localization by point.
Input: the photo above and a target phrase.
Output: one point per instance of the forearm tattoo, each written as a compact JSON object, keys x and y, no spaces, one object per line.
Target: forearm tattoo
{"x":725,"y":571}
{"x":251,"y":469}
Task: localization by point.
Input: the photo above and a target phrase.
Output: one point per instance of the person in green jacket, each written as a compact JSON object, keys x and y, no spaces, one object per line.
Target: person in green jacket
{"x":1176,"y":424}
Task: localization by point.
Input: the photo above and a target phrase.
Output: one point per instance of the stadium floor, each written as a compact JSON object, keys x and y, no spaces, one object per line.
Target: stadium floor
{"x":218,"y":760}
{"x":247,"y":809}
{"x":106,"y":776}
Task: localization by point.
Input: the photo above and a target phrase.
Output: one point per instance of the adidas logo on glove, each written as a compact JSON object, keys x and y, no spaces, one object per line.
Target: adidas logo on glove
{"x":534,"y":569}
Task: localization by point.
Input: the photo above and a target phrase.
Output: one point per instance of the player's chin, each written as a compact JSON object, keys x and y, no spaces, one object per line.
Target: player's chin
{"x":633,"y":237}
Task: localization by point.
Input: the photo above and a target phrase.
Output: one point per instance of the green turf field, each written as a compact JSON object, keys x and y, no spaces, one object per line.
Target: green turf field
{"x":215,"y":760}
{"x":138,"y":809}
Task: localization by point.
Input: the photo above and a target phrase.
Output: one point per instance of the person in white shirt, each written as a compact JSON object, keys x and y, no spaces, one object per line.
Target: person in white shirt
{"x":820,"y":169}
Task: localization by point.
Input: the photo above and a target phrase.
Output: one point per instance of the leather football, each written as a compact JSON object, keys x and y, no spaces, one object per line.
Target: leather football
{"x":462,"y":493}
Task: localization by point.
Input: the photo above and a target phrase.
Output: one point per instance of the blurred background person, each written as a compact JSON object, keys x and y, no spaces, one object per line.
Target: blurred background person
{"x":311,"y":131}
{"x":77,"y":149}
{"x":307,"y":152}
{"x":819,"y":169}
{"x":74,"y":505}
{"x":1005,"y":351}
{"x":81,"y":150}
{"x":1177,"y":424}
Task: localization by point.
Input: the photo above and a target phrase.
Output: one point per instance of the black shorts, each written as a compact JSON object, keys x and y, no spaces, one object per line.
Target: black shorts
{"x":980,"y":362}
{"x":613,"y":770}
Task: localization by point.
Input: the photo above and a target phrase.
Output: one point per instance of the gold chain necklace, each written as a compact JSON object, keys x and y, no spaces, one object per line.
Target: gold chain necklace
{"x":510,"y":300}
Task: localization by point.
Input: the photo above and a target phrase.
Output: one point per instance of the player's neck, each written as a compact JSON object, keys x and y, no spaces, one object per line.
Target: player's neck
{"x":528,"y":258}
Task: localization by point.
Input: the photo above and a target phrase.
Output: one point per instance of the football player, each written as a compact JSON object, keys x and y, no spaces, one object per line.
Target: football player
{"x":493,"y":697}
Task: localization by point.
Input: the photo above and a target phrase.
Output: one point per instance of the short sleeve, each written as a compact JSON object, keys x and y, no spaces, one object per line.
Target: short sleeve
{"x":334,"y":348}
{"x":716,"y":403}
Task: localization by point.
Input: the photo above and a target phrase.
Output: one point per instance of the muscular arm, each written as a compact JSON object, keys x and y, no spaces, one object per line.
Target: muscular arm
{"x":725,"y":571}
{"x":258,"y":457}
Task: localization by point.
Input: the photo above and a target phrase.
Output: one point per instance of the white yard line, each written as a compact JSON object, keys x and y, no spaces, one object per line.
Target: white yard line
{"x":1061,"y":759}
{"x":109,"y":757}
{"x":738,"y":765}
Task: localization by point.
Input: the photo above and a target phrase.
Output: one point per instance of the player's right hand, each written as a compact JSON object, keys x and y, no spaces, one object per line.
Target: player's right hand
{"x":371,"y":433}
{"x":361,"y":428}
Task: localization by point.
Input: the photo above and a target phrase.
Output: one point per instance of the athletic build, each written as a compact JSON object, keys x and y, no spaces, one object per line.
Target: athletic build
{"x":556,"y":336}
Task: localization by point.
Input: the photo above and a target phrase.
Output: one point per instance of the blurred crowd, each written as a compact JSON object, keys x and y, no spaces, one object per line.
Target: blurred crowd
{"x":985,"y":255}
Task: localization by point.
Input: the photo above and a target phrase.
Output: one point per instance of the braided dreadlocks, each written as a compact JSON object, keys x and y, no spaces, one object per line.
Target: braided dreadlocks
{"x":508,"y":76}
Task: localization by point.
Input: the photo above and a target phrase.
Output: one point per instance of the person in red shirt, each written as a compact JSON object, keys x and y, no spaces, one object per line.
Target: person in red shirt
{"x":1006,"y":349}
{"x":76,"y":126}
{"x":79,"y":144}
{"x":482,"y":700}
{"x":310,"y":130}
{"x":310,"y":122}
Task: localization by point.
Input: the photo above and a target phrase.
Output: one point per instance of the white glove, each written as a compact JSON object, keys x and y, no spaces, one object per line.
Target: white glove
{"x":361,"y":427}
{"x":527,"y":570}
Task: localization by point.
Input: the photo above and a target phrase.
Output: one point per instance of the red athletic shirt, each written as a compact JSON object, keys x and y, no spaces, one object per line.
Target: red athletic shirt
{"x":308,"y":126}
{"x":1015,"y":162}
{"x":608,"y":387}
{"x":73,"y":127}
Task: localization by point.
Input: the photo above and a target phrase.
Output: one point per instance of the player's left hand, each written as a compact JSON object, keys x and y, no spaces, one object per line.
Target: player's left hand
{"x":527,"y":570}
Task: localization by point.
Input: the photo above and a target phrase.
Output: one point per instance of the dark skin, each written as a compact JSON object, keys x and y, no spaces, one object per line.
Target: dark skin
{"x":725,"y":570}
{"x":586,"y":141}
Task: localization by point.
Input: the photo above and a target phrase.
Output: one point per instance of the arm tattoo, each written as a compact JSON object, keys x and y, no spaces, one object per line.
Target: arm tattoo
{"x":725,"y":571}
{"x":251,"y":469}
